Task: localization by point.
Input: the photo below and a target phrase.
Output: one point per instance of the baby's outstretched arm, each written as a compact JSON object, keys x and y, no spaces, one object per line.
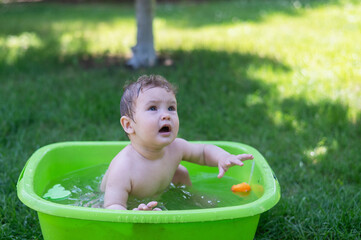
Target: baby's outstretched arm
{"x":211,"y":155}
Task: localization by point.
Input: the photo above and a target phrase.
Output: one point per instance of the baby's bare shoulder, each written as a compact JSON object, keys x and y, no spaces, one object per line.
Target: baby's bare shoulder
{"x":178,"y":145}
{"x":122,"y":160}
{"x":190,"y":151}
{"x":179,"y":142}
{"x":183,"y":145}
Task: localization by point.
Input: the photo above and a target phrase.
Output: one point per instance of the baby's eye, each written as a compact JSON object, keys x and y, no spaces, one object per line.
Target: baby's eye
{"x":153,"y":108}
{"x":171,"y":108}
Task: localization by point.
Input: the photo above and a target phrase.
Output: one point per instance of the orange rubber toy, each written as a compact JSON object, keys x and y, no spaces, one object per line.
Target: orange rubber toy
{"x":242,"y":187}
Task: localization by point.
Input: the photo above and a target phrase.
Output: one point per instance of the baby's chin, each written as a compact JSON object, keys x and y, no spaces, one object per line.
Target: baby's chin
{"x":166,"y":141}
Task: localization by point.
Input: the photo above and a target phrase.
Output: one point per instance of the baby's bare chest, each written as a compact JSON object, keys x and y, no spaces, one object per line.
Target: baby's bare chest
{"x":152,"y":178}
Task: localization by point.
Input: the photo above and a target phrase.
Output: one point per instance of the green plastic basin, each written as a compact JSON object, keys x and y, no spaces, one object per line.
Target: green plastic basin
{"x":61,"y":222}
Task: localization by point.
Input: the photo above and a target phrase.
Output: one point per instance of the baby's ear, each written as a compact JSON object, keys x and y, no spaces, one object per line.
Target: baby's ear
{"x":127,"y":125}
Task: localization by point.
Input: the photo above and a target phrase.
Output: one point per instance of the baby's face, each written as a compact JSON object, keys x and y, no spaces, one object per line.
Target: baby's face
{"x":156,"y":118}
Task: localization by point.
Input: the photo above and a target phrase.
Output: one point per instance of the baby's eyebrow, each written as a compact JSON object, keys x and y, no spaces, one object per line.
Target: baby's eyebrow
{"x":158,"y":101}
{"x":153,"y":102}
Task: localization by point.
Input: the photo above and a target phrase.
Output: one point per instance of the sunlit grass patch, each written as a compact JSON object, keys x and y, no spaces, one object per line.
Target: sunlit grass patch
{"x":16,"y":46}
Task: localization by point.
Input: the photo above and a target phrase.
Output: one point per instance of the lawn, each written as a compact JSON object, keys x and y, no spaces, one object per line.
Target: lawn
{"x":282,"y":76}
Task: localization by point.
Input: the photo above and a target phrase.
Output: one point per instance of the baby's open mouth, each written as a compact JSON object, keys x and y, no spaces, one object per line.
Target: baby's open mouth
{"x":165,"y":129}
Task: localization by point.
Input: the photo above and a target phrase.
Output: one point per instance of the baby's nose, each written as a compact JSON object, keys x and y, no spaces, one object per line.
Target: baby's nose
{"x":165,"y":116}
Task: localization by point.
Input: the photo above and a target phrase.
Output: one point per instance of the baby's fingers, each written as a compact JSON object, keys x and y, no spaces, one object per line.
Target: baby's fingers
{"x":221,"y":172}
{"x":238,"y":163}
{"x":141,"y":206}
{"x":240,"y":158}
{"x":244,"y":157}
{"x":152,"y":204}
{"x":148,"y":207}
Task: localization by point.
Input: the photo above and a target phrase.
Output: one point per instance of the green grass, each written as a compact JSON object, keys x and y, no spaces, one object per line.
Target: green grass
{"x":282,"y":76}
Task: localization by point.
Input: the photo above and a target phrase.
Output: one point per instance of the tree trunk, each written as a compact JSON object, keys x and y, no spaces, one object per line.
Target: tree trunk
{"x":143,"y":52}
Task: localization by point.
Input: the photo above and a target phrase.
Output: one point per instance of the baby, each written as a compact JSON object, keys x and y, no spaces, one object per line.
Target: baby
{"x":147,"y":166}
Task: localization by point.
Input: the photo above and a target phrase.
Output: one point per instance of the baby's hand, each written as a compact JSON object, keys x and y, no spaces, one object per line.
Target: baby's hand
{"x":230,"y":161}
{"x":148,"y":207}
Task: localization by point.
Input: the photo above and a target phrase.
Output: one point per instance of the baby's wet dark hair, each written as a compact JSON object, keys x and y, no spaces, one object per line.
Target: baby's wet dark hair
{"x":132,"y":90}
